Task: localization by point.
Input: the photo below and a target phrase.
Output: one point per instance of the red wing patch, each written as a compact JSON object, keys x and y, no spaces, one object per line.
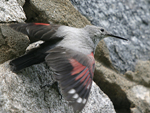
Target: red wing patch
{"x":92,"y":65}
{"x":37,"y":31}
{"x":41,"y":24}
{"x":77,"y":67}
{"x":82,"y":72}
{"x":74,"y":73}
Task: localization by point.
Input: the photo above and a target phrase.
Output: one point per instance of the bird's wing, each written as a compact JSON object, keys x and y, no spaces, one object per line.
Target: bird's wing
{"x":74,"y":71}
{"x":37,"y":31}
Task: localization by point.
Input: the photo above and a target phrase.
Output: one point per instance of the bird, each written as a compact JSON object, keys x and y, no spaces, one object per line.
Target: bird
{"x":68,"y":51}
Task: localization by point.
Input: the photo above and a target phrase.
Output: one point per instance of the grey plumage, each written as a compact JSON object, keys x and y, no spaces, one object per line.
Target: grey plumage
{"x":68,"y":51}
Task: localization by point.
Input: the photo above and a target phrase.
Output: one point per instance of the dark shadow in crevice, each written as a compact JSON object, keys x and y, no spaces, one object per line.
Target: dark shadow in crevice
{"x":33,"y":14}
{"x":115,"y":93}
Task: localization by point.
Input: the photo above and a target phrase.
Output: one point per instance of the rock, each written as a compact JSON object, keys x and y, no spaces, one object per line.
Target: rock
{"x":115,"y":86}
{"x":12,"y":43}
{"x":22,"y":92}
{"x":11,"y":11}
{"x":141,"y":75}
{"x":122,"y":70}
{"x":129,"y":92}
{"x":102,"y":55}
{"x":129,"y":19}
{"x":60,"y":12}
{"x":140,"y":96}
{"x":21,"y":2}
{"x":126,"y":96}
{"x":98,"y":102}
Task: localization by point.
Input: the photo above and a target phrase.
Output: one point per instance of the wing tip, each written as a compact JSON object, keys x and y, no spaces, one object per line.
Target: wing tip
{"x":13,"y":67}
{"x":77,"y":107}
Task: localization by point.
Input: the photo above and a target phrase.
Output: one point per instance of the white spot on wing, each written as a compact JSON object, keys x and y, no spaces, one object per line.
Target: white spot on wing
{"x":63,"y":52}
{"x":27,"y":29}
{"x":79,"y":100}
{"x":84,"y":101}
{"x":71,"y":91}
{"x":88,"y":86}
{"x":75,"y":96}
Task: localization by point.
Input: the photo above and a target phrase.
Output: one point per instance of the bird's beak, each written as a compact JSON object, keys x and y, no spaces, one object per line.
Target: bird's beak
{"x":111,"y":35}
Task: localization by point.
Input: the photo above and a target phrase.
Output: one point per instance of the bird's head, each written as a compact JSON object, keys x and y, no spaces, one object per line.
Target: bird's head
{"x":99,"y":32}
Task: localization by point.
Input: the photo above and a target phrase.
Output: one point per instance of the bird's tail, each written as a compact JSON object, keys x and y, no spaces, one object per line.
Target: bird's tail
{"x":26,"y":61}
{"x":35,"y":56}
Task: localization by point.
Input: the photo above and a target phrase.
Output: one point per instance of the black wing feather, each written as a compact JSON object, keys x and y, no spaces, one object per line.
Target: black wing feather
{"x":75,"y":82}
{"x":37,"y":31}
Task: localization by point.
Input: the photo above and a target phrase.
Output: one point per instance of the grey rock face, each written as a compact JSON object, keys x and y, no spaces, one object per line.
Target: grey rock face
{"x":140,"y":95}
{"x":21,"y":2}
{"x":11,"y":11}
{"x":12,"y":43}
{"x":129,"y":92}
{"x":141,"y":74}
{"x":21,"y":92}
{"x":60,"y":12}
{"x":128,"y":19}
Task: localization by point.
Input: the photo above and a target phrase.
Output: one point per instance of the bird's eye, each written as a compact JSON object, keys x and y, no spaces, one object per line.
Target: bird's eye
{"x":102,"y":30}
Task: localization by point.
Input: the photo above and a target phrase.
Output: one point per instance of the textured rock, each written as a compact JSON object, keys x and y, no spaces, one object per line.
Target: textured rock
{"x":102,"y":55}
{"x":128,"y":19}
{"x":56,"y":11}
{"x":140,"y":97}
{"x":115,"y":86}
{"x":22,"y":92}
{"x":12,"y":43}
{"x":129,"y":92}
{"x":21,"y":2}
{"x":11,"y":11}
{"x":126,"y":95}
{"x":141,"y":74}
{"x":125,"y":91}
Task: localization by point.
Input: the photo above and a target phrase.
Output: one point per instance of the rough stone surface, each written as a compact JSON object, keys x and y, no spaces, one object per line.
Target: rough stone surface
{"x":22,"y":92}
{"x":127,"y":96}
{"x":114,"y":86}
{"x":126,"y":18}
{"x":140,"y":97}
{"x":102,"y":55}
{"x":55,"y":11}
{"x":141,"y":74}
{"x":12,"y":43}
{"x":129,"y":92}
{"x":130,"y":19}
{"x":11,"y":11}
{"x":21,"y":2}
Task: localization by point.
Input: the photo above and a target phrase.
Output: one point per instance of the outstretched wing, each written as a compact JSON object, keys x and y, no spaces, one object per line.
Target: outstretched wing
{"x":37,"y":31}
{"x":74,"y":72}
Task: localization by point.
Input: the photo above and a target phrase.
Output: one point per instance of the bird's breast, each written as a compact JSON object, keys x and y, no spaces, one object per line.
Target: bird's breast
{"x":75,"y":39}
